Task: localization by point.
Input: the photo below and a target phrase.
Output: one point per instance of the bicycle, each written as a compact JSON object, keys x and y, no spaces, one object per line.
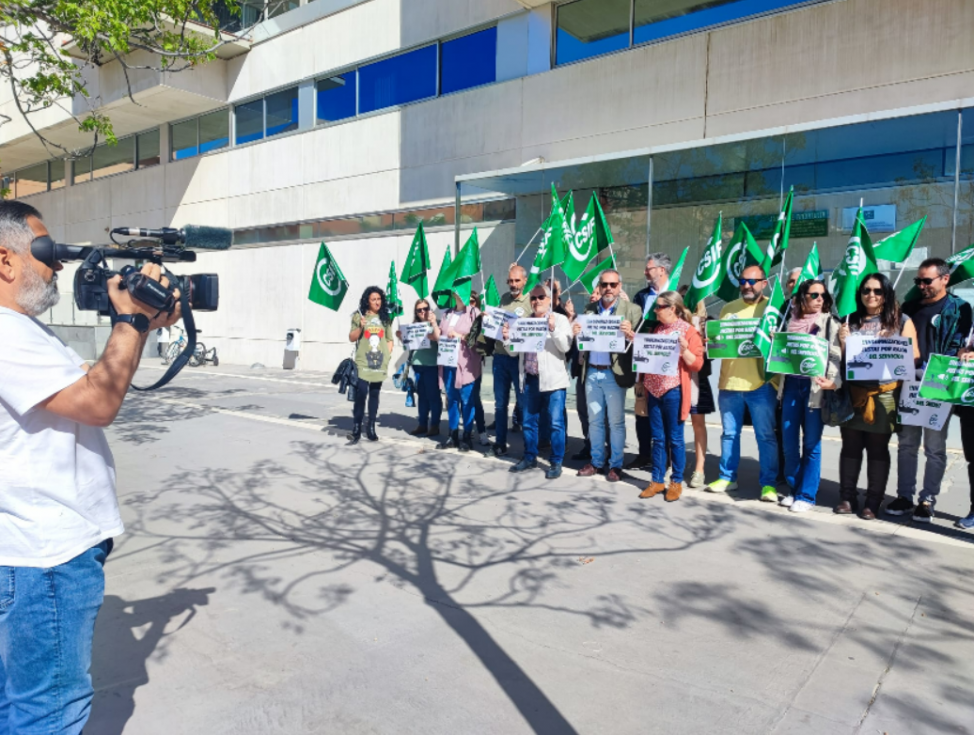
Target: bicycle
{"x":200,"y":355}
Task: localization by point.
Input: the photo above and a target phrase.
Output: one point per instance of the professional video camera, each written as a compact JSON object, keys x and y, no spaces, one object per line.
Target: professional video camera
{"x":166,"y":245}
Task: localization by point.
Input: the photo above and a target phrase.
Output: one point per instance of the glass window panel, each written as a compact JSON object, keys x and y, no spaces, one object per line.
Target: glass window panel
{"x":396,"y":81}
{"x":113,"y":159}
{"x":657,"y":19}
{"x":81,"y":169}
{"x":503,"y":209}
{"x":57,"y":174}
{"x":250,"y":121}
{"x":282,"y":111}
{"x":588,"y":28}
{"x":31,"y":180}
{"x":279,"y":7}
{"x":336,"y":97}
{"x":965,"y":194}
{"x":468,"y":61}
{"x":433,"y":217}
{"x":183,"y":139}
{"x":214,"y":131}
{"x":147,"y":148}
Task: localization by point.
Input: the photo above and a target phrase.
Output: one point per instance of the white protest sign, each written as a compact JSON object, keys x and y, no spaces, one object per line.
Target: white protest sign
{"x":416,"y":336}
{"x":448,"y":353}
{"x":527,"y":335}
{"x":884,"y":359}
{"x":657,"y":354}
{"x":600,"y":334}
{"x":916,"y":411}
{"x":494,"y":320}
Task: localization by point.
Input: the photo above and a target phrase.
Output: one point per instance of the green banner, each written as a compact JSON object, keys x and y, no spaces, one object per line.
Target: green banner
{"x":732,"y":339}
{"x":797,"y":353}
{"x":948,"y":379}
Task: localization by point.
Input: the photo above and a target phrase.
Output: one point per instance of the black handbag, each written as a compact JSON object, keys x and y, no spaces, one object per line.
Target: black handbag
{"x":346,"y":376}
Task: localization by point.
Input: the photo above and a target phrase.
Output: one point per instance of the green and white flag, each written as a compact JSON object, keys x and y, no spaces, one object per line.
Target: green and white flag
{"x":948,"y":379}
{"x":706,"y":278}
{"x":442,"y":289}
{"x":554,"y":245}
{"x":417,"y":264}
{"x":742,"y":251}
{"x":897,"y":247}
{"x":328,"y":284}
{"x":392,"y":292}
{"x":770,"y":320}
{"x":782,"y":235}
{"x":591,"y":279}
{"x":962,"y":272}
{"x":492,"y":296}
{"x":859,"y":262}
{"x":812,"y":268}
{"x":961,"y":256}
{"x":590,"y":238}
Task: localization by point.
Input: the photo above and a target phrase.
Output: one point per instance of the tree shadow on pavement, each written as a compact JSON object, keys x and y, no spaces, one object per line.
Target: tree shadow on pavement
{"x":430,"y":522}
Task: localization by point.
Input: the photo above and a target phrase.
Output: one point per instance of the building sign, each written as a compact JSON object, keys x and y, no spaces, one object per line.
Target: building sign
{"x":803,"y":224}
{"x":881,"y":218}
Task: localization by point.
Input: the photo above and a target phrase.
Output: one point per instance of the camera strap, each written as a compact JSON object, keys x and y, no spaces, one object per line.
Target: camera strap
{"x":180,"y":362}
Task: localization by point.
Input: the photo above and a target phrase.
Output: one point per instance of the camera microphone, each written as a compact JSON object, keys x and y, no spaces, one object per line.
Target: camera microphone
{"x":190,"y":236}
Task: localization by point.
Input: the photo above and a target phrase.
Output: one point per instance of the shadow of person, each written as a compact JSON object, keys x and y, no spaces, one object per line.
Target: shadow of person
{"x":127,"y":635}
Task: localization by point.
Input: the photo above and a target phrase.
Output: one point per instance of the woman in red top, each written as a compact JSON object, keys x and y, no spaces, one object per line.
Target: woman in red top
{"x":668,"y":396}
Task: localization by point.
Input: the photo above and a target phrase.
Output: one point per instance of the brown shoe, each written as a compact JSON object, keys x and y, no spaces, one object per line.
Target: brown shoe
{"x":588,"y":470}
{"x":615,"y":474}
{"x":420,"y":431}
{"x":434,"y":430}
{"x":654,"y":488}
{"x":674,"y":491}
{"x":868,"y":515}
{"x":844,"y":508}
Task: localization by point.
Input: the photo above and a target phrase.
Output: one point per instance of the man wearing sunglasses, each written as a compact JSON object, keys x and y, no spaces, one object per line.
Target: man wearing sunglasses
{"x":58,"y":509}
{"x":505,"y":368}
{"x":607,"y":376}
{"x":743,"y":383}
{"x":942,"y":323}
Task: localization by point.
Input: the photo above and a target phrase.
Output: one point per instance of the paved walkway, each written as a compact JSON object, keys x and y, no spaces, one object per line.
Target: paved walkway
{"x":273,"y":580}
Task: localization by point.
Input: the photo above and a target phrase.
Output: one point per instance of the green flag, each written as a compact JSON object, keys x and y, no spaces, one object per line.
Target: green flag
{"x":591,"y":238}
{"x":962,"y":255}
{"x":812,"y":268}
{"x":591,"y":279}
{"x":459,"y":276}
{"x":706,"y":279}
{"x":417,"y":264}
{"x":742,"y":251}
{"x":491,"y":296}
{"x":782,"y":234}
{"x":963,"y":272}
{"x":392,"y":292}
{"x":770,"y":320}
{"x":859,"y":261}
{"x":897,"y":247}
{"x":554,"y":244}
{"x":441,"y":289}
{"x":328,"y":284}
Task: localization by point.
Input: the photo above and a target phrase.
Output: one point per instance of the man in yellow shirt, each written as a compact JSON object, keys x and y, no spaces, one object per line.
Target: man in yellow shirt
{"x":743,"y":383}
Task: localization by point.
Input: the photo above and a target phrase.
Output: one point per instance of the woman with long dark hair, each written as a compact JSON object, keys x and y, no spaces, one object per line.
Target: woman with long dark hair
{"x":423,"y":363}
{"x":372,"y":333}
{"x":874,"y":421}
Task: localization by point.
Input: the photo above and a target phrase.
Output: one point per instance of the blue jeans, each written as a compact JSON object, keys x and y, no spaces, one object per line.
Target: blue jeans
{"x":667,"y":433}
{"x":604,"y":396}
{"x":506,"y":374}
{"x":459,"y":401}
{"x":430,"y":401}
{"x":478,"y":406}
{"x":47,"y":622}
{"x":761,"y":403}
{"x":543,"y":407}
{"x":803,"y":459}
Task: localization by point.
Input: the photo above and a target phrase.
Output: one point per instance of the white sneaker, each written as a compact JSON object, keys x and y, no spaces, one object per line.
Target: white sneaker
{"x":800,"y":506}
{"x":786,"y":501}
{"x":484,"y":439}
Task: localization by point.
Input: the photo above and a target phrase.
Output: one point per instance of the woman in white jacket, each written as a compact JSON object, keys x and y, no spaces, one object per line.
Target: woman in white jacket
{"x":545,"y":380}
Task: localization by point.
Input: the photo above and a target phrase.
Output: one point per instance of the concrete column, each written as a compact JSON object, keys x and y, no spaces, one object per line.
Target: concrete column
{"x":164,"y":144}
{"x":306,"y":105}
{"x":524,"y":43}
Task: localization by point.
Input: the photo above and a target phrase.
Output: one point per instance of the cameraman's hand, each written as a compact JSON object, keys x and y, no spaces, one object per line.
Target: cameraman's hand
{"x":124,"y":303}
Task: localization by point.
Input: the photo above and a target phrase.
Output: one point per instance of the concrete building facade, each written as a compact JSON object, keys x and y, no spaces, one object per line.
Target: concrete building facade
{"x":349,"y":121}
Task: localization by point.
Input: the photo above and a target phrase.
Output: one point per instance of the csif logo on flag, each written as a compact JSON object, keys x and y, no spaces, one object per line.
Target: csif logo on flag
{"x":329,"y":281}
{"x":583,"y":239}
{"x":736,"y":260}
{"x":708,"y":270}
{"x":855,"y":258}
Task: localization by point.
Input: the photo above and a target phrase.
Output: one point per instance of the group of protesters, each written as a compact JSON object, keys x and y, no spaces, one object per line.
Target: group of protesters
{"x":788,"y":413}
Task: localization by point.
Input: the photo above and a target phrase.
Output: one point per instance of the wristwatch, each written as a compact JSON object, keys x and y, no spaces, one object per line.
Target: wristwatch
{"x":139,"y":321}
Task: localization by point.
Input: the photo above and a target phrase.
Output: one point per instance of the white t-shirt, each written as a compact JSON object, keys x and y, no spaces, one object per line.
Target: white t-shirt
{"x":57,"y":477}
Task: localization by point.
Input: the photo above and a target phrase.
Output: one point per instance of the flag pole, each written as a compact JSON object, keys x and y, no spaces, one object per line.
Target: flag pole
{"x":518,"y":259}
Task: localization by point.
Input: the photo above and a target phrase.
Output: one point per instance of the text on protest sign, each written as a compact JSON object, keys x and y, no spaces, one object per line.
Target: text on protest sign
{"x":600,"y":334}
{"x":732,"y":339}
{"x":656,"y":354}
{"x":527,"y":335}
{"x":448,"y":352}
{"x":797,"y":353}
{"x":416,"y":336}
{"x":494,"y":320}
{"x":878,"y":358}
{"x":948,"y":379}
{"x":916,"y":411}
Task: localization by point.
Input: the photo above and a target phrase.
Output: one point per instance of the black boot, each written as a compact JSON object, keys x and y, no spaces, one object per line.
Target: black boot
{"x":370,"y":431}
{"x":849,"y":468}
{"x":466,"y":444}
{"x":877,"y":475}
{"x":356,"y":433}
{"x":452,"y":440}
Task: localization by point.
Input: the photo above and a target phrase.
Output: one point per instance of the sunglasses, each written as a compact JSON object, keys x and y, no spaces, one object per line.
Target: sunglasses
{"x":662,"y":307}
{"x":421,"y":309}
{"x":538,"y":298}
{"x":925,"y":281}
{"x":752,"y":281}
{"x":815,"y":296}
{"x":606,"y":284}
{"x":874,"y":291}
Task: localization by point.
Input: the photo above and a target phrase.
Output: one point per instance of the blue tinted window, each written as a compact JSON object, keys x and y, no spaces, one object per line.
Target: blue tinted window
{"x":689,"y":15}
{"x":396,"y":81}
{"x":214,"y":131}
{"x":469,"y":61}
{"x":591,"y":27}
{"x":336,"y":97}
{"x":182,"y":137}
{"x":282,"y":111}
{"x":250,"y":121}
